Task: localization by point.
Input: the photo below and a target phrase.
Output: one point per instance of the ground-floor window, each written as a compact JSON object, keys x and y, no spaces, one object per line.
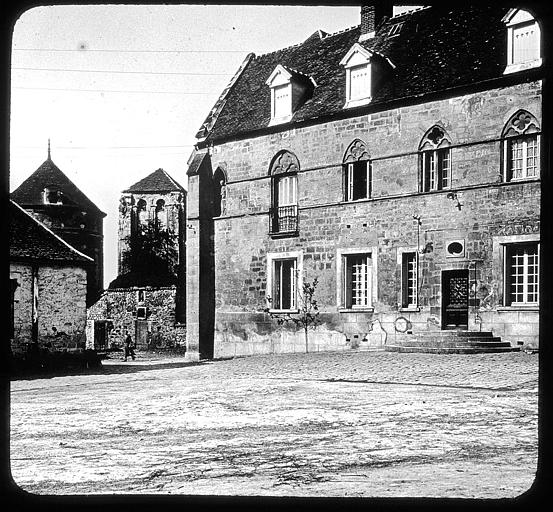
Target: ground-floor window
{"x":522,"y":274}
{"x":409,"y":279}
{"x":357,"y":280}
{"x":284,"y":290}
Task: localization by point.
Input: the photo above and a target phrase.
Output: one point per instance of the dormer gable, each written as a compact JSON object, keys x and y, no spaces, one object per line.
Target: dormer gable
{"x":523,"y":41}
{"x":289,"y":90}
{"x":357,"y":62}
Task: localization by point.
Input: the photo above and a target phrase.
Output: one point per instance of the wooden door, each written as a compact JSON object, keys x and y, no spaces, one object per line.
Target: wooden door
{"x":141,"y":334}
{"x":455,"y":299}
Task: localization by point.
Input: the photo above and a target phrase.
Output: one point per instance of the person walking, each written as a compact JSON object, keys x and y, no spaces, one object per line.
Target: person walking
{"x":129,"y":347}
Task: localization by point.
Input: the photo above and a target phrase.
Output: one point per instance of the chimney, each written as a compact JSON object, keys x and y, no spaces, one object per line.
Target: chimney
{"x":371,"y":16}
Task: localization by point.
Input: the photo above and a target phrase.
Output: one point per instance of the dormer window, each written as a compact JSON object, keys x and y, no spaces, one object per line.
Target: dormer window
{"x":51,"y":196}
{"x":523,"y":41}
{"x":289,"y":90}
{"x":358,"y":76}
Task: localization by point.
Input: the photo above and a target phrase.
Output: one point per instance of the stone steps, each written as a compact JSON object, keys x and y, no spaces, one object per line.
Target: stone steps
{"x":450,"y":342}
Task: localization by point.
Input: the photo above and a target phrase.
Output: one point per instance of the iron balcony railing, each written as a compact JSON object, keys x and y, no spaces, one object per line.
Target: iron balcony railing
{"x":284,"y":219}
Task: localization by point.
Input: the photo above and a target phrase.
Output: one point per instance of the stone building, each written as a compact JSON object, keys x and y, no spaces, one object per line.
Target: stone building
{"x":47,"y":286}
{"x":57,"y":202}
{"x":147,"y":298}
{"x":397,"y":161}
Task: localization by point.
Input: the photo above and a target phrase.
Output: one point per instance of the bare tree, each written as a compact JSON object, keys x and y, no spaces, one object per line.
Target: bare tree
{"x":307,"y":314}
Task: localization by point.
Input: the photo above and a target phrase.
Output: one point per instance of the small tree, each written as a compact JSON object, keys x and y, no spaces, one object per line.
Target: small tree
{"x":151,"y":250}
{"x":307,"y":314}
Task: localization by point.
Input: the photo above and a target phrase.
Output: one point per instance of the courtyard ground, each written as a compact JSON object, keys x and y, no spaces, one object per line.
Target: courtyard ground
{"x":325,"y":424}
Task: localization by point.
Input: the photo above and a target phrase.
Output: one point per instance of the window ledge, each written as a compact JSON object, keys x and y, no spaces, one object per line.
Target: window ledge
{"x":357,"y":103}
{"x":280,"y":120}
{"x":410,"y":310}
{"x":356,"y":310}
{"x":521,"y":66}
{"x":279,"y":311}
{"x":284,"y":234}
{"x":518,"y":308}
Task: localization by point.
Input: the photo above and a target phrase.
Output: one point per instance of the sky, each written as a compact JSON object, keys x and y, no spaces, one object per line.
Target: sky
{"x":121,"y":90}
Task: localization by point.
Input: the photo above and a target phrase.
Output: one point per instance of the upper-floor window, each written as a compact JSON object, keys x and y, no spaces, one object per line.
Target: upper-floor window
{"x":289,"y":90}
{"x":521,"y":147}
{"x":357,"y":63}
{"x":523,"y":41}
{"x":357,"y":172}
{"x":219,"y":192}
{"x":141,"y":216}
{"x":435,"y":160}
{"x":51,"y":195}
{"x":161,"y":215}
{"x":284,"y":185}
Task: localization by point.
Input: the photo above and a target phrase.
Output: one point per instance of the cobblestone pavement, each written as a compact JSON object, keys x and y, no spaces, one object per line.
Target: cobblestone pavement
{"x":325,"y":424}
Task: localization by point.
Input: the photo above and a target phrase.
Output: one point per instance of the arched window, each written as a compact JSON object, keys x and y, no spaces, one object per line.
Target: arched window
{"x":161,"y":215}
{"x":435,"y":160}
{"x":521,"y":147}
{"x":357,"y":172}
{"x":284,"y":184}
{"x":219,"y":192}
{"x":141,"y":215}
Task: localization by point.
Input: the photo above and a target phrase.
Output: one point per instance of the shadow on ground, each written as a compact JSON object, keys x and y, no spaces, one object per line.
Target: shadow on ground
{"x":111,"y":368}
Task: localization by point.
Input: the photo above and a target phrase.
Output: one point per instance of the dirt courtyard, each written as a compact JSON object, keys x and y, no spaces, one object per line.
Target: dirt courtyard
{"x":359,"y":424}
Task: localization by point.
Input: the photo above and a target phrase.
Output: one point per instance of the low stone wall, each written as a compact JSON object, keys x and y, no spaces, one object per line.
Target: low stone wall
{"x":243,"y":333}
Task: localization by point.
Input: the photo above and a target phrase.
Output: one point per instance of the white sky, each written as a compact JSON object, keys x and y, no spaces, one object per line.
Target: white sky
{"x":124,"y":126}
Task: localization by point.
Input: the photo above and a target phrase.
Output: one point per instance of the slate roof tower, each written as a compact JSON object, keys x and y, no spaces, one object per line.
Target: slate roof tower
{"x":52,"y":198}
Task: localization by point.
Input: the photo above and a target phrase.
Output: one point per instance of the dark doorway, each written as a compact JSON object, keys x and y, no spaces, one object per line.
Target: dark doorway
{"x":141,"y":334}
{"x":100,"y":334}
{"x":455,"y":299}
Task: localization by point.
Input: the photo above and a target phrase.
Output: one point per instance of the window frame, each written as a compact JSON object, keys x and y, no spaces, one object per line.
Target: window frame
{"x":349,"y":179}
{"x":272,"y":258}
{"x":343,"y":295}
{"x":435,"y":161}
{"x":404,"y":257}
{"x":508,"y":275}
{"x":508,"y":157}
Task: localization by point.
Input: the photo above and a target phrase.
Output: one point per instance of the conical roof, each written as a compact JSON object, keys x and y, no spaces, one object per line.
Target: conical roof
{"x":30,"y":192}
{"x":158,"y":181}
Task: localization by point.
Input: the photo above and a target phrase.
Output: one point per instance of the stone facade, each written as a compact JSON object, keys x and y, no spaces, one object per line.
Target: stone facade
{"x":480,"y":210}
{"x":120,"y":309}
{"x":61,"y":306}
{"x":147,"y":298}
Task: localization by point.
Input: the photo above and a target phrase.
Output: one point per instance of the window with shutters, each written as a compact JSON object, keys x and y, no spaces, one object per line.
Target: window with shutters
{"x":523,"y":41}
{"x":284,"y":280}
{"x":435,"y":160}
{"x":357,"y":63}
{"x":284,"y":189}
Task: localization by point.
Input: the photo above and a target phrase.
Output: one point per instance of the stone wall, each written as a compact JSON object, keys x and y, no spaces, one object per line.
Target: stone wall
{"x":120,"y":307}
{"x":61,"y":307}
{"x":383,"y":225}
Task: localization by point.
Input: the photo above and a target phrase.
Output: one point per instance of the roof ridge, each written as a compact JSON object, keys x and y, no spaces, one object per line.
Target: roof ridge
{"x":50,"y":232}
{"x":325,"y":36}
{"x":410,"y":11}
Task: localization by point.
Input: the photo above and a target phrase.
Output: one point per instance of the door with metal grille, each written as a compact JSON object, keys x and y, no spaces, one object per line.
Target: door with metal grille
{"x":455,"y":299}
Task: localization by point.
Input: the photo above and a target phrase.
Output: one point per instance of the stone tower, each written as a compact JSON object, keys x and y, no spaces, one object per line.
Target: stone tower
{"x":51,"y":197}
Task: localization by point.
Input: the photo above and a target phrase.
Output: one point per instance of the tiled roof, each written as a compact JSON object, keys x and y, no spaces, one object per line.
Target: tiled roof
{"x":31,"y":240}
{"x":29,"y":193}
{"x":132,"y":279}
{"x":158,"y":181}
{"x":437,"y":48}
{"x":196,"y":162}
